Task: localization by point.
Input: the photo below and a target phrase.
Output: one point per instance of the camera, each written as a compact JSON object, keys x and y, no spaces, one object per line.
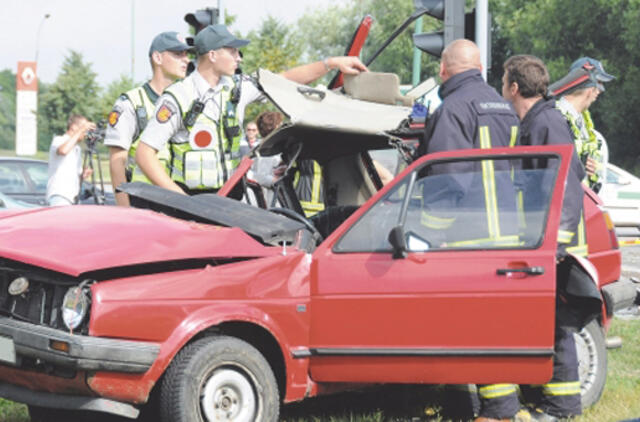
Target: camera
{"x":96,"y":135}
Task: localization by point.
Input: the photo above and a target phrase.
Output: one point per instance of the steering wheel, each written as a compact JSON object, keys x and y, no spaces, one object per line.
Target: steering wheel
{"x":299,"y":218}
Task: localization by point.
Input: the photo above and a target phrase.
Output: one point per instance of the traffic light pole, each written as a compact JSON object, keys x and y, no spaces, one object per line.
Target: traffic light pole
{"x":417,"y":55}
{"x":482,"y":34}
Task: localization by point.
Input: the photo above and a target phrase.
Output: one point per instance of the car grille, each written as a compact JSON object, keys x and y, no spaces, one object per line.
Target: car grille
{"x":40,"y":303}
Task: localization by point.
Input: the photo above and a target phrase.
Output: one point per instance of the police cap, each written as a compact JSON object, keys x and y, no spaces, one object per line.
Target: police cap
{"x":169,"y":41}
{"x":214,"y":37}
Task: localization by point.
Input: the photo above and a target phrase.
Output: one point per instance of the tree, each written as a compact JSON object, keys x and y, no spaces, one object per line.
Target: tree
{"x":7,"y":109}
{"x":74,"y":91}
{"x":559,"y":32}
{"x":112,"y":92}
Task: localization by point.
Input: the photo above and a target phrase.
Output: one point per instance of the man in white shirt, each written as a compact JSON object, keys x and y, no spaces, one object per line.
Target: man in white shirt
{"x":65,"y":162}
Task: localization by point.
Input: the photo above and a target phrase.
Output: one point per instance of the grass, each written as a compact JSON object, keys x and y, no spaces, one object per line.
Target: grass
{"x":424,"y":403}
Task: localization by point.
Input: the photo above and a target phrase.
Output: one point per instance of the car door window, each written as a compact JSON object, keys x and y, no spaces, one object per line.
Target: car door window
{"x":38,"y":172}
{"x":12,"y":179}
{"x":471,"y":204}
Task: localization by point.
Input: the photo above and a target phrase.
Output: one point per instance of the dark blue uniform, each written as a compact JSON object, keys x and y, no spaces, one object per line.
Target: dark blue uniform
{"x":467,"y":104}
{"x":472,"y":115}
{"x":544,"y":125}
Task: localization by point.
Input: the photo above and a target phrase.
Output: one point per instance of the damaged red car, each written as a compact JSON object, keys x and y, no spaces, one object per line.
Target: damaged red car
{"x":223,"y":310}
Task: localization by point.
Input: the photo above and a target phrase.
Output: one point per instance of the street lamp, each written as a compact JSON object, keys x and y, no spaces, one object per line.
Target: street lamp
{"x":44,"y":18}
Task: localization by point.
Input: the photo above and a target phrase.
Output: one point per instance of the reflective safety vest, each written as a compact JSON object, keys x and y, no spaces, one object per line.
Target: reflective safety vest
{"x":307,"y":183}
{"x":143,"y":107}
{"x":586,"y":146}
{"x":211,"y":152}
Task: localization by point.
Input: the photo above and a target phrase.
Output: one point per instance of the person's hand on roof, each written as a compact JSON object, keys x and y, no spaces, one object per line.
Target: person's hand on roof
{"x":349,"y":65}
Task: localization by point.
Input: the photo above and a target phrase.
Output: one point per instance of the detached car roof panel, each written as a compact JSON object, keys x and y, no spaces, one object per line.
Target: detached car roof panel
{"x":328,"y":123}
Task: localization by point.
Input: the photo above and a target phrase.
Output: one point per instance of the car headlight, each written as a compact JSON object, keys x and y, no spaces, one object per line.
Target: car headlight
{"x":74,"y":307}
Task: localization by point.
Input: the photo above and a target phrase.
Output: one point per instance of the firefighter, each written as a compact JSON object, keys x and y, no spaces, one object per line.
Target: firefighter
{"x":472,"y":115}
{"x":200,"y":117}
{"x":524,"y":84}
{"x":131,"y":111}
{"x":577,"y":91}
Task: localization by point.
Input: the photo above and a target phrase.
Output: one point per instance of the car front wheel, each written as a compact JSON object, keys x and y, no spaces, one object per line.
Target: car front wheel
{"x":219,"y":378}
{"x":592,"y":358}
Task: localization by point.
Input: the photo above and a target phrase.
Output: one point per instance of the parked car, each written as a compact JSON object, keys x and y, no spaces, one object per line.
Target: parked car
{"x":9,"y":203}
{"x":225,"y":310}
{"x":621,"y":197}
{"x":25,"y":179}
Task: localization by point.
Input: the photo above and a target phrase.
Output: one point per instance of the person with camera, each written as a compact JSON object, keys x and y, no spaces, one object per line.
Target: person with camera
{"x":200,"y":117}
{"x":65,"y":162}
{"x":127,"y":120}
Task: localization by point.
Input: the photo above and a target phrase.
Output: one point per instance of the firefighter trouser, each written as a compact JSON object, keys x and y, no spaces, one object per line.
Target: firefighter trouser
{"x":561,"y":396}
{"x":498,"y":401}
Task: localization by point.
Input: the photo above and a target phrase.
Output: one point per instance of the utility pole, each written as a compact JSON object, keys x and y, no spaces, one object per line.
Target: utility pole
{"x":482,"y":33}
{"x":133,"y":38}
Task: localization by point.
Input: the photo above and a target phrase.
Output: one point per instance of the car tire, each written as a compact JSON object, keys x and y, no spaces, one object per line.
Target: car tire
{"x":592,"y":359}
{"x":219,"y":378}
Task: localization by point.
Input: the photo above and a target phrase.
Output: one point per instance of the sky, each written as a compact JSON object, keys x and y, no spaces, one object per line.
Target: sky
{"x":102,"y":30}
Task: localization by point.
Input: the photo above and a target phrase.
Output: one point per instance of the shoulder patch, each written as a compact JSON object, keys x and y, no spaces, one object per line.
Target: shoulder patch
{"x":165,"y":111}
{"x":114,"y":116}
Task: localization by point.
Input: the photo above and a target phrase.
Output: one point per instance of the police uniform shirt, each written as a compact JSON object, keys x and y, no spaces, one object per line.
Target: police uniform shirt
{"x":123,"y":128}
{"x":567,"y":107}
{"x":158,"y":133}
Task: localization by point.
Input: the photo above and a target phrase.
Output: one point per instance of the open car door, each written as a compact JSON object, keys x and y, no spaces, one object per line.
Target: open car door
{"x":465,"y":290}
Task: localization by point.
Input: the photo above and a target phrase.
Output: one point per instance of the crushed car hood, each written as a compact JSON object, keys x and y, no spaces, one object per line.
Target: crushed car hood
{"x":77,"y":239}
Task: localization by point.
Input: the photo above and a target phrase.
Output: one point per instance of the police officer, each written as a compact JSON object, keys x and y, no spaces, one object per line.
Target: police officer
{"x":200,"y":117}
{"x":127,"y":120}
{"x":577,"y":91}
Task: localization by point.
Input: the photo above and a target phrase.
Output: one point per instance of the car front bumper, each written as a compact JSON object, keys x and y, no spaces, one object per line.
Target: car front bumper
{"x":619,"y":295}
{"x":20,"y":340}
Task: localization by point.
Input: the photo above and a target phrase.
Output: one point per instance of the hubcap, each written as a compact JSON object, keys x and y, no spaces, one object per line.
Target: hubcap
{"x":587,"y":358}
{"x":228,"y":396}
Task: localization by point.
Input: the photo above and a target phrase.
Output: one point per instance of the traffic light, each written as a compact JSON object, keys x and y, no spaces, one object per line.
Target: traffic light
{"x":202,"y":18}
{"x":451,"y":12}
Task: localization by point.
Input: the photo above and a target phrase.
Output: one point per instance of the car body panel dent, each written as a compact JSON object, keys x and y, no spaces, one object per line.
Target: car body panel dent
{"x":88,"y":238}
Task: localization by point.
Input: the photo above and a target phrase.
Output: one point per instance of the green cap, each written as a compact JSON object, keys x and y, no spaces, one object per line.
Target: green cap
{"x":169,"y":41}
{"x":216,"y":36}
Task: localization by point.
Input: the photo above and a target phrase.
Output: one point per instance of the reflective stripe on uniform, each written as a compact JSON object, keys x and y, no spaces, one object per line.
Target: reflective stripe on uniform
{"x":493,"y":391}
{"x":565,"y":236}
{"x":139,"y":99}
{"x":514,"y":136}
{"x":489,"y":182}
{"x":580,"y":248}
{"x":437,"y":223}
{"x":503,"y":241}
{"x":561,"y":388}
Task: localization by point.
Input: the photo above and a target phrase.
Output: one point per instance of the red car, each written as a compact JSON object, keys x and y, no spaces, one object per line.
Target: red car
{"x":223,"y":310}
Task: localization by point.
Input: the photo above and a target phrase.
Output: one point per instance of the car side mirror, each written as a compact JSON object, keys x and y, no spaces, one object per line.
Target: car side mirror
{"x":398,"y":242}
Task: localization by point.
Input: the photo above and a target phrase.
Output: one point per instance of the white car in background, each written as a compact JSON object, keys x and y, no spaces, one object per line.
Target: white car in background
{"x":621,"y":197}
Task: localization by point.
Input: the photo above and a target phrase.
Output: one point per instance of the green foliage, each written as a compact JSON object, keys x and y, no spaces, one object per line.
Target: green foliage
{"x":559,"y":32}
{"x":74,"y":91}
{"x":273,"y":46}
{"x":7,"y":109}
{"x":328,"y":31}
{"x":111,"y":94}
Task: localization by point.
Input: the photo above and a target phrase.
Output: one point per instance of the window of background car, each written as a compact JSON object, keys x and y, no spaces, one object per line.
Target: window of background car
{"x":12,"y":179}
{"x":38,"y":174}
